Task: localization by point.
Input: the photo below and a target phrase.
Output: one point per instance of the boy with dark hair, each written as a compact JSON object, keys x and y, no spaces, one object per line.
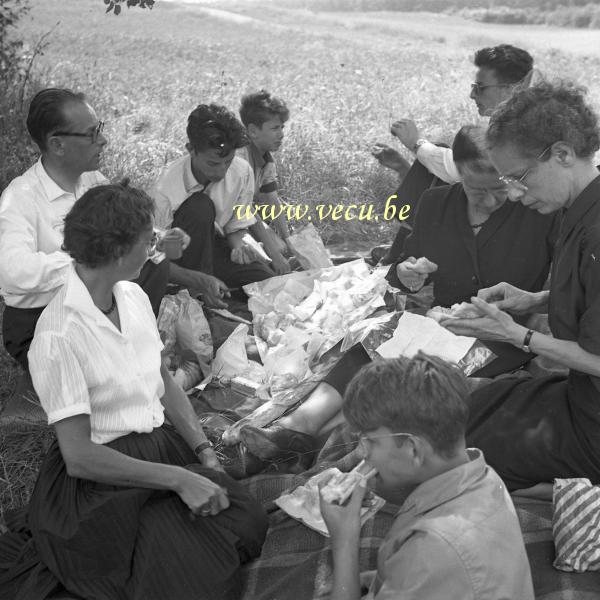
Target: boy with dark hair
{"x":264,"y":117}
{"x":205,"y":193}
{"x":456,"y":535}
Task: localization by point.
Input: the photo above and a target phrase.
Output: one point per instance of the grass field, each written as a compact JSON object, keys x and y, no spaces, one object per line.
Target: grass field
{"x":344,"y":76}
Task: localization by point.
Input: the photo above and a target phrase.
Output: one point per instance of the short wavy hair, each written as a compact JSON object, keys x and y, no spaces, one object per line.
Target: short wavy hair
{"x":258,"y":107}
{"x":469,"y":149}
{"x":106,"y":222}
{"x":422,"y":395}
{"x":214,"y":127}
{"x":46,"y":115}
{"x":509,"y":63}
{"x":534,"y":118}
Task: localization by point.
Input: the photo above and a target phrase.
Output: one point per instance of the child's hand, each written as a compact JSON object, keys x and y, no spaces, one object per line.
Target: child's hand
{"x":343,"y":522}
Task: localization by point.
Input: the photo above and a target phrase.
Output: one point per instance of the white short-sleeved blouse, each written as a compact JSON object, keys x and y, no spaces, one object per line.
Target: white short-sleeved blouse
{"x":81,"y":364}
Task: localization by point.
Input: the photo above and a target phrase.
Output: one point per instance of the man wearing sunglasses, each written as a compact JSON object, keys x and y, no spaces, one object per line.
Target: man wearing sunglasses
{"x":499,"y":70}
{"x":33,"y":206}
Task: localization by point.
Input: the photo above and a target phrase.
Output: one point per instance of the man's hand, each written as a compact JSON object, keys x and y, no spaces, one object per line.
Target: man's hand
{"x":245,"y":254}
{"x":174,"y":235}
{"x":202,"y":496}
{"x":413,"y":273}
{"x":343,"y":522}
{"x":406,"y":131}
{"x":213,"y":290}
{"x":390,"y":158}
{"x":280,"y":265}
{"x":512,"y":299}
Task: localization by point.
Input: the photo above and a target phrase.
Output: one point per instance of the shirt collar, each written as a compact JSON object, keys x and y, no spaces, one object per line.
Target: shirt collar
{"x":51,"y":188}
{"x":259,"y":159}
{"x":446,"y":486}
{"x":189,"y":181}
{"x":78,"y":299}
{"x":581,"y":205}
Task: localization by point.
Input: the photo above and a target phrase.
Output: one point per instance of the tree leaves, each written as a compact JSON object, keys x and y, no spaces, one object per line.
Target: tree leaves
{"x":116,"y":5}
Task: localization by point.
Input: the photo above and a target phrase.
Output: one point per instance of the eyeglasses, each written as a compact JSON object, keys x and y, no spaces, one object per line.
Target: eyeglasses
{"x":477,"y":88}
{"x":519,"y":182}
{"x":92,"y":135}
{"x":364,"y":442}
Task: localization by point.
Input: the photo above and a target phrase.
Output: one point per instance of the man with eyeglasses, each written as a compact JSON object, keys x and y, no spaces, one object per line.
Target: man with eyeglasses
{"x":499,"y":70}
{"x":33,"y":206}
{"x":456,"y":534}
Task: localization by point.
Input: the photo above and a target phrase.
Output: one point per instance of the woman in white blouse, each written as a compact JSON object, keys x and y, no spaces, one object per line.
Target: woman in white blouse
{"x":117,"y":511}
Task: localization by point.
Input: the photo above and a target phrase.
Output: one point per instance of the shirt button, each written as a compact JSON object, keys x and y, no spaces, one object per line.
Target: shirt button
{"x":475,"y":280}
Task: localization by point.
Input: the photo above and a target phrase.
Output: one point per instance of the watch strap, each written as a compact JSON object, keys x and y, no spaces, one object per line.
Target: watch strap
{"x":202,"y":447}
{"x":527,"y":340}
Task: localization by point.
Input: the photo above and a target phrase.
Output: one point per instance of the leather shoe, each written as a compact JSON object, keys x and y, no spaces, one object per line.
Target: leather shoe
{"x":276,"y":442}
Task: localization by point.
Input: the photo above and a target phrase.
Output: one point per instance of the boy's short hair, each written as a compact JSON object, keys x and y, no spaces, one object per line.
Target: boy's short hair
{"x":469,"y":149}
{"x":213,"y":127}
{"x":46,"y":113}
{"x":258,"y":107}
{"x":509,"y":63}
{"x":423,"y":395}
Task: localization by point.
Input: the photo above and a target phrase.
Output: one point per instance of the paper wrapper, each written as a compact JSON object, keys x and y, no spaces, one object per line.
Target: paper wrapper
{"x":309,"y":248}
{"x":302,"y":503}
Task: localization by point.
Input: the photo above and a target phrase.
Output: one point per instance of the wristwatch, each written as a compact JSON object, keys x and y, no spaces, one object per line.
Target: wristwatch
{"x":202,"y":447}
{"x":419,"y":143}
{"x":527,"y":340}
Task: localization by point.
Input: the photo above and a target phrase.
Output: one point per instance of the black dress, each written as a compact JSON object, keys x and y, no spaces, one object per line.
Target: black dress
{"x":515,"y":245}
{"x":105,"y":542}
{"x":535,"y":430}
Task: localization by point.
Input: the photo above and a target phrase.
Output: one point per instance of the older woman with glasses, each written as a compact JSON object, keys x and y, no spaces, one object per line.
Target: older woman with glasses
{"x":125,"y":505}
{"x":543,"y":141}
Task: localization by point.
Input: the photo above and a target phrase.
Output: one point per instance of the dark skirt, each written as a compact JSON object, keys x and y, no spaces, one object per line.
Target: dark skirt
{"x":105,"y":542}
{"x":533,"y":430}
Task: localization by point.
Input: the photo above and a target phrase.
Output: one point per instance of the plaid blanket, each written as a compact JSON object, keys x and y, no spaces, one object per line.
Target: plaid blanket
{"x":296,"y":561}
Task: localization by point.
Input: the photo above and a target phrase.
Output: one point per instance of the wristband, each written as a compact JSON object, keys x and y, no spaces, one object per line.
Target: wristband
{"x":202,"y":447}
{"x":527,"y":340}
{"x":418,"y":144}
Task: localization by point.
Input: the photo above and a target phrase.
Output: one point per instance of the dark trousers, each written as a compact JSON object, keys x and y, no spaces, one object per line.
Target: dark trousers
{"x":18,"y":324}
{"x":417,"y":180}
{"x":209,"y":252}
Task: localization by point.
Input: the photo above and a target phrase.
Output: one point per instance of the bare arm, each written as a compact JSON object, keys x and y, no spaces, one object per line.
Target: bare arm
{"x":180,"y":412}
{"x":97,"y":462}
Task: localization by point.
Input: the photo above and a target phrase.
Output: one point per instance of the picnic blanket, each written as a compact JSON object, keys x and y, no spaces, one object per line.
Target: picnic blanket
{"x":296,"y":561}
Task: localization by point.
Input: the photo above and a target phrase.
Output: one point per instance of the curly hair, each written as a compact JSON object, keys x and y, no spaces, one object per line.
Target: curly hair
{"x":422,"y":395}
{"x":469,"y":150}
{"x":258,"y":107}
{"x":509,"y":63}
{"x":211,"y":126}
{"x":46,"y":113}
{"x":106,"y":222}
{"x":534,"y":118}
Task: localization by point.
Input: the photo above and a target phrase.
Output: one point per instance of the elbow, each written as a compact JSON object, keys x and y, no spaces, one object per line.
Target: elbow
{"x":75,"y":466}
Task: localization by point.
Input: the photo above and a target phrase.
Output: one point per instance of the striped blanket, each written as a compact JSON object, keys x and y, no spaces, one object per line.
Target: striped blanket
{"x":296,"y":561}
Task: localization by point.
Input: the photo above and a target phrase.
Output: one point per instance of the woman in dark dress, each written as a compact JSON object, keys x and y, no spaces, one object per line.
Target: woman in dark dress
{"x":475,"y":237}
{"x":126,"y":507}
{"x":543,"y":142}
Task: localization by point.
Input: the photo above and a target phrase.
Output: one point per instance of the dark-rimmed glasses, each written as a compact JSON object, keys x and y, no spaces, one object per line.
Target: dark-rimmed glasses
{"x":519,"y":182}
{"x":92,"y":135}
{"x":364,"y":442}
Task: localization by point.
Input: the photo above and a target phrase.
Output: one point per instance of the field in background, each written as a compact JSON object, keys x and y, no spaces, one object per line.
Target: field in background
{"x":345,"y":76}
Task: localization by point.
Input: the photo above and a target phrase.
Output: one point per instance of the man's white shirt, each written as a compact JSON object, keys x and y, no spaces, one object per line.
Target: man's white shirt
{"x":32,"y":211}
